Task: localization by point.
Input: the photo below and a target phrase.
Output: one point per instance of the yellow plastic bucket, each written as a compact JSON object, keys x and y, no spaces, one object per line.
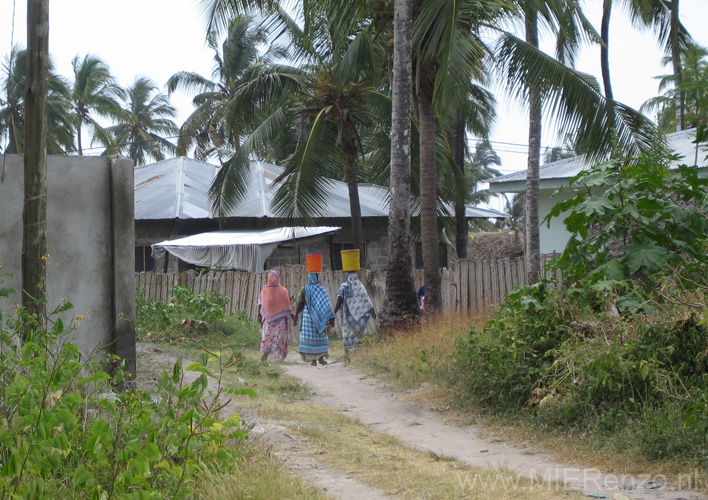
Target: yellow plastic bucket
{"x":350,"y":260}
{"x":313,"y":262}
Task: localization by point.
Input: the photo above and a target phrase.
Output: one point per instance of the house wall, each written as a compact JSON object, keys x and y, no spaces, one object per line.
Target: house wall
{"x":90,"y":242}
{"x":148,"y":232}
{"x":555,"y":237}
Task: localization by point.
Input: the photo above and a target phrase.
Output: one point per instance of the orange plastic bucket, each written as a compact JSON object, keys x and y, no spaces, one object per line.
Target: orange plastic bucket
{"x":350,"y":260}
{"x":313,"y":262}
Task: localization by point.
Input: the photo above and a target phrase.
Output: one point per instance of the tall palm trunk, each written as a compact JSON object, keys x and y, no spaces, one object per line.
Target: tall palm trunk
{"x":400,"y":304}
{"x":354,"y":204}
{"x":34,"y":213}
{"x":428,"y":191}
{"x":605,"y":48}
{"x":533,"y":242}
{"x":676,"y":62}
{"x":78,"y":138}
{"x":462,"y":228}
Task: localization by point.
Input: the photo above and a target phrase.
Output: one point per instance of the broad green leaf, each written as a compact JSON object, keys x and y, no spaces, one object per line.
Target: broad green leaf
{"x":645,"y":256}
{"x":595,"y":205}
{"x":199,"y":368}
{"x":95,"y":377}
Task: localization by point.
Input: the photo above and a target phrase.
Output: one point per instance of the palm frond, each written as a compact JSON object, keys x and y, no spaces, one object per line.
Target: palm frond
{"x":573,"y":99}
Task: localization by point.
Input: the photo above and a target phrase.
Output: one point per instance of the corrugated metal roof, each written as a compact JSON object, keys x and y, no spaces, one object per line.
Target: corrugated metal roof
{"x":680,"y":142}
{"x":173,"y":189}
{"x":178,"y":188}
{"x":484,"y":213}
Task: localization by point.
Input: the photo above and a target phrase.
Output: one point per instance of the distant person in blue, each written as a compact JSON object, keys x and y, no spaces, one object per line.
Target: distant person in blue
{"x":317,"y":315}
{"x":421,"y":297}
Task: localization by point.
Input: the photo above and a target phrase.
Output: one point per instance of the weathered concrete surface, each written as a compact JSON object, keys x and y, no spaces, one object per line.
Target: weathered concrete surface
{"x":90,"y":242}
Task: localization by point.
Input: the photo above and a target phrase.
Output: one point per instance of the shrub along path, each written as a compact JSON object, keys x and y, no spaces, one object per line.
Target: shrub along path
{"x":363,"y":398}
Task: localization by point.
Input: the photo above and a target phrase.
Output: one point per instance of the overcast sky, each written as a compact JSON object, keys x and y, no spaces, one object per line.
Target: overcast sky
{"x":157,"y":38}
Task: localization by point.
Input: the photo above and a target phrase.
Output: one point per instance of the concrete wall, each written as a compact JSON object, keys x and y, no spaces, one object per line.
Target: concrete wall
{"x":90,"y":242}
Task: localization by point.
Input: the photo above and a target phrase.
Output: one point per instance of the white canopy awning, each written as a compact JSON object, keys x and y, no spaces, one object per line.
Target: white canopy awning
{"x":245,"y":249}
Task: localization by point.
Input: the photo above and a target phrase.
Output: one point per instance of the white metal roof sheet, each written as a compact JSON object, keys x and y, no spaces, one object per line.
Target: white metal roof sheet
{"x":680,"y":142}
{"x":230,"y":237}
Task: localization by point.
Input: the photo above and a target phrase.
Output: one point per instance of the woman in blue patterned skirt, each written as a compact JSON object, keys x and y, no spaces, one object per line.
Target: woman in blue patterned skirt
{"x":317,"y":316}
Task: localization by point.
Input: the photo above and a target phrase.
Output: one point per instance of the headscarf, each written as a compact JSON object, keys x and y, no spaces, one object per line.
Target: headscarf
{"x":318,"y":304}
{"x":275,"y":300}
{"x":357,"y":304}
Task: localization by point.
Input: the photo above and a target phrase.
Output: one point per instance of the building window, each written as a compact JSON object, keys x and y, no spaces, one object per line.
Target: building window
{"x":338,"y":246}
{"x":143,"y":259}
{"x":442,"y":256}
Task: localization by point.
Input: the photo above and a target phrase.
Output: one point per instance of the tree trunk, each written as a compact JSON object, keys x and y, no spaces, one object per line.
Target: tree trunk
{"x":462,"y":228}
{"x":354,"y":205}
{"x":533,"y":243}
{"x":676,"y":62}
{"x":34,"y":214}
{"x":400,"y":303}
{"x":78,"y":138}
{"x":605,"y":48}
{"x":428,"y":193}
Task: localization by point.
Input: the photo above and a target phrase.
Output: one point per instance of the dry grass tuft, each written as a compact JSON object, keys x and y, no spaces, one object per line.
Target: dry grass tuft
{"x":260,"y":475}
{"x":416,"y":356}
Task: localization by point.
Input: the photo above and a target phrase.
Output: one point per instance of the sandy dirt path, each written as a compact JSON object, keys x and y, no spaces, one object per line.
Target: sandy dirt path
{"x":363,"y":398}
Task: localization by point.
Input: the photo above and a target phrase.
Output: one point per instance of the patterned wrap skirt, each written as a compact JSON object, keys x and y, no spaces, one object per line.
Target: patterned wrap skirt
{"x":275,"y":338}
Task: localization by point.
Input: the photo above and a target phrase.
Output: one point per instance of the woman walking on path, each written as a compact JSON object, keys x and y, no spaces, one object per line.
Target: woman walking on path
{"x":357,"y":309}
{"x":317,"y":315}
{"x":273,"y":313}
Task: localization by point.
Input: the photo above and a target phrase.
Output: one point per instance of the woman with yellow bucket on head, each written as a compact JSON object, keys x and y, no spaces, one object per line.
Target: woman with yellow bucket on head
{"x":354,"y":301}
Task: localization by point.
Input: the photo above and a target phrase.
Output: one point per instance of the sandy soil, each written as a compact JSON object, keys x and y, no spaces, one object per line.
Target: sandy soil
{"x":363,"y":398}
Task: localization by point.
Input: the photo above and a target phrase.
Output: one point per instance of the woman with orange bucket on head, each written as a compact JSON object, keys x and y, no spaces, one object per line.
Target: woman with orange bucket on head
{"x":317,"y":315}
{"x":354,"y":301}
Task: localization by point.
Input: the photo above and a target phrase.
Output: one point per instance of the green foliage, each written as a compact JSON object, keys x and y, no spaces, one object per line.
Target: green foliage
{"x":65,"y":432}
{"x":187,"y":313}
{"x":502,"y":363}
{"x":558,"y":359}
{"x":634,"y":225}
{"x":183,"y":304}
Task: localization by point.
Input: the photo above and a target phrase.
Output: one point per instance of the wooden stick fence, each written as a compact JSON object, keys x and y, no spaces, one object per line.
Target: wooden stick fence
{"x":468,"y":286}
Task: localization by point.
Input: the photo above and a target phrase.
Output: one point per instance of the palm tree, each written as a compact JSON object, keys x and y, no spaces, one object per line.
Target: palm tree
{"x":572,"y":98}
{"x":208,"y":126}
{"x":94,"y":93}
{"x":400,"y":303}
{"x":660,"y":15}
{"x":532,"y":237}
{"x":473,"y":115}
{"x":145,"y":124}
{"x":692,"y":92}
{"x":332,"y":102}
{"x":12,"y":108}
{"x":447,"y":56}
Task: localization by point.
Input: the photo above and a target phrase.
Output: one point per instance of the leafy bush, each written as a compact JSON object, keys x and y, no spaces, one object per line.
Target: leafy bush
{"x":187,"y":313}
{"x":183,"y":304}
{"x":633,"y":223}
{"x":549,"y":355}
{"x":65,"y":432}
{"x":502,"y":363}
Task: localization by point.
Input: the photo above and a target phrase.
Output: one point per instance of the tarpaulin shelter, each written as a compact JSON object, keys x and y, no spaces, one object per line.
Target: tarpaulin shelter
{"x":245,"y":250}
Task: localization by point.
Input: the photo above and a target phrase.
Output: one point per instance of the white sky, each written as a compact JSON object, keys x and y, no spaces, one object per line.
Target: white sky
{"x":157,"y":38}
